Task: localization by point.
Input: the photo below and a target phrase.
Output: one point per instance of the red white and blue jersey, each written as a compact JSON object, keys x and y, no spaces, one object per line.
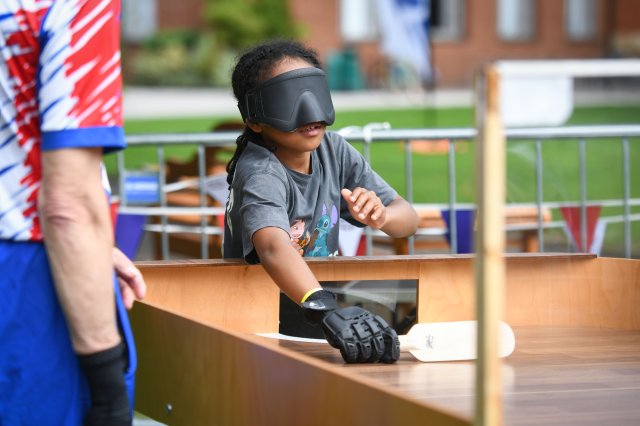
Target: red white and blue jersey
{"x":60,"y":87}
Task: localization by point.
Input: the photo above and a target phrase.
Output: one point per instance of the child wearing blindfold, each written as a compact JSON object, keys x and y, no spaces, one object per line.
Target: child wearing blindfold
{"x":291,"y":180}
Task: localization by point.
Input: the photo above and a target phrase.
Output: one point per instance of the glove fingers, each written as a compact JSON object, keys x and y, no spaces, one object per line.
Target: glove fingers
{"x":374,"y":341}
{"x":391,"y":342}
{"x":361,"y":336}
{"x":350,"y":352}
{"x":363,"y":342}
{"x":392,"y":347}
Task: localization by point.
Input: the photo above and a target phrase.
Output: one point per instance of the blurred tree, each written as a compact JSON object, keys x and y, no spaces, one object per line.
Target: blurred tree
{"x":240,"y":23}
{"x":205,"y":57}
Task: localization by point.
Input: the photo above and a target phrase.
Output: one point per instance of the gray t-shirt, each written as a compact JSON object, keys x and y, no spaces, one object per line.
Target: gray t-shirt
{"x":265,"y":193}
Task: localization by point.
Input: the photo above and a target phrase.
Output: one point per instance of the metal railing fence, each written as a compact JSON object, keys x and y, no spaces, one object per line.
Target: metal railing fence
{"x":379,"y":133}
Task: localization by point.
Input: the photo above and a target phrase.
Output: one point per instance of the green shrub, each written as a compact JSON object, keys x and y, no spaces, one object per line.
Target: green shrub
{"x":205,"y":58}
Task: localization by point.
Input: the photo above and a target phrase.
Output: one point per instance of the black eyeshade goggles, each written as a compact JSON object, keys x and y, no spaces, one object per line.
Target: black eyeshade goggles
{"x":290,"y":100}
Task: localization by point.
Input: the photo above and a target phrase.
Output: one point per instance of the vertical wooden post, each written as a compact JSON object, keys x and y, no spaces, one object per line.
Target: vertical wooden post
{"x":490,"y":244}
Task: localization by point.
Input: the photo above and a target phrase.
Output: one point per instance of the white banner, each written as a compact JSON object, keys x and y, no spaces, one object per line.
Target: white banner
{"x":403,"y":24}
{"x":535,"y":100}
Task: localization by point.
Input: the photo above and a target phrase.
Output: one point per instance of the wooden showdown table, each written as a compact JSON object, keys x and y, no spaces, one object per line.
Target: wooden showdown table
{"x":576,"y":319}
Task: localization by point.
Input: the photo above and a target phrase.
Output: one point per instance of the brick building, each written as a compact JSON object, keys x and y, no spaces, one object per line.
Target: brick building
{"x":463,"y":33}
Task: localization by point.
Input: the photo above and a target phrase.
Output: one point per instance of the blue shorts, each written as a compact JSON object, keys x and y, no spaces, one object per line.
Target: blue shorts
{"x":40,"y":378}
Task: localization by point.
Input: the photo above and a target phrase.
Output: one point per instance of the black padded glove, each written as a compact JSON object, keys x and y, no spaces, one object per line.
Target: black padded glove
{"x":359,"y":335}
{"x":109,"y":400}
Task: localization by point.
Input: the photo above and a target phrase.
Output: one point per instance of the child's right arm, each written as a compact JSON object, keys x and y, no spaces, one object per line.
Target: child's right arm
{"x":358,"y":334}
{"x":283,"y":263}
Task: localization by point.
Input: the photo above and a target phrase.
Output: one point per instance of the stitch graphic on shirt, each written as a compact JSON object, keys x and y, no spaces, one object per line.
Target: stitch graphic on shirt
{"x":318,"y":244}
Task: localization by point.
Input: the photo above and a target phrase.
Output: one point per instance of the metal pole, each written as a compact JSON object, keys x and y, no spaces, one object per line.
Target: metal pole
{"x":368,"y":138}
{"x":583,"y":195}
{"x":367,"y":155}
{"x":204,"y":238}
{"x":539,"y":194}
{"x":122,"y":193}
{"x":453,"y":220}
{"x":626,"y":182}
{"x":408,"y":177}
{"x":164,"y":237}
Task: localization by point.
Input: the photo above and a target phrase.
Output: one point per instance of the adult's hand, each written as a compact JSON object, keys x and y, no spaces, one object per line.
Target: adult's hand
{"x":132,"y":284}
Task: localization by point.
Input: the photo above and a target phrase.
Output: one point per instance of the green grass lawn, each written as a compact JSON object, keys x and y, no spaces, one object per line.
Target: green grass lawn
{"x":560,"y":158}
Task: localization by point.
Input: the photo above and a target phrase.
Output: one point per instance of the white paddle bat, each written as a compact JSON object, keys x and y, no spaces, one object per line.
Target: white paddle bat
{"x":451,"y":341}
{"x":438,"y":341}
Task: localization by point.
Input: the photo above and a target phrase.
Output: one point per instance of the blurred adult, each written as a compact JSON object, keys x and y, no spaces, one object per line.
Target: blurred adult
{"x":67,"y":355}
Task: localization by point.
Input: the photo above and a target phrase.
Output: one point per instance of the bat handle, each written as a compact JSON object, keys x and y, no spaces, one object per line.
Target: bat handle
{"x":405,"y":343}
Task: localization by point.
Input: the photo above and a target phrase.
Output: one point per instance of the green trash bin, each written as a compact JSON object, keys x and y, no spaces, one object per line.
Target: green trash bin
{"x":344,"y":71}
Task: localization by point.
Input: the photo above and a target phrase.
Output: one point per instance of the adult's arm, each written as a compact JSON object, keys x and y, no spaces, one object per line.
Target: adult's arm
{"x":78,"y":237}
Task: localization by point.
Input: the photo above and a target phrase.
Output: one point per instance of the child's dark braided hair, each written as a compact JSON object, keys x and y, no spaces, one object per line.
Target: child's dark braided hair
{"x":254,"y":67}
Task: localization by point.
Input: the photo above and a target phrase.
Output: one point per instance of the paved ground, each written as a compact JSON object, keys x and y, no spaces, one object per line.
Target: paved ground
{"x":141,"y":102}
{"x":144,"y":102}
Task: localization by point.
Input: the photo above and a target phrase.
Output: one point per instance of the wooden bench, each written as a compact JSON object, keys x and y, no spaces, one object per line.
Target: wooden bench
{"x":433,"y":225}
{"x":189,"y":244}
{"x":430,"y":235}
